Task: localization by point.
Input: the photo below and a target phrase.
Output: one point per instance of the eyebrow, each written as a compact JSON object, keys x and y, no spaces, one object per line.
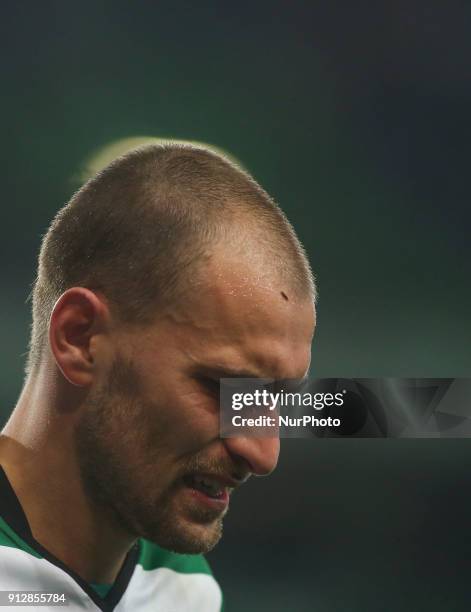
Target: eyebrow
{"x":227,"y":372}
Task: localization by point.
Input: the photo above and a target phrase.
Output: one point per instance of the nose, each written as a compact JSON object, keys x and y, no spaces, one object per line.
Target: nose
{"x":261,"y":454}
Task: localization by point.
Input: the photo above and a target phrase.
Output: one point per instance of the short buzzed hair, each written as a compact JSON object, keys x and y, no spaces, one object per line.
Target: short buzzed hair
{"x":137,"y":229}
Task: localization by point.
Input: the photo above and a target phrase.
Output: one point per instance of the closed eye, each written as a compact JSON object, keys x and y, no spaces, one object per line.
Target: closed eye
{"x":210,"y":385}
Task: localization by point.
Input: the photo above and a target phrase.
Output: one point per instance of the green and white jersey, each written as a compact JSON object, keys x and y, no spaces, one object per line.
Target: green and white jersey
{"x":151,"y":579}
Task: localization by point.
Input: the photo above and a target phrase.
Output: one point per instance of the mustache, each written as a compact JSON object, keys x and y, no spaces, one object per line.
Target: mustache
{"x":214,"y":466}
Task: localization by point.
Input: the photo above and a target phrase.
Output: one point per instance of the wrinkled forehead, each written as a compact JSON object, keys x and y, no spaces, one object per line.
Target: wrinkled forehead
{"x":251,"y":316}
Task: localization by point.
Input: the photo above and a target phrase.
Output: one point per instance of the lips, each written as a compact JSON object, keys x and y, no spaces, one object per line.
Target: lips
{"x":211,"y":486}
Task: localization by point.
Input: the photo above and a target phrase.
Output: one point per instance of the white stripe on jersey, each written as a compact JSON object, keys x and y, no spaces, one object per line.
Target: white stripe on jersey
{"x":161,"y":589}
{"x":166,"y":590}
{"x":20,"y":571}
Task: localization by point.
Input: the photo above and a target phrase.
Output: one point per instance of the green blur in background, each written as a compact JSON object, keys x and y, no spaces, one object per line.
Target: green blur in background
{"x":355,"y":117}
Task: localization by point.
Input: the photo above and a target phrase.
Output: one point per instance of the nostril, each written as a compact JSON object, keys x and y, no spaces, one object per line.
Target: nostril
{"x":259,"y":456}
{"x":244,"y":468}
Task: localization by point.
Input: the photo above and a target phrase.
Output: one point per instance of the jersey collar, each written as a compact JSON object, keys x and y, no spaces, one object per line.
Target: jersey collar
{"x":13,"y":514}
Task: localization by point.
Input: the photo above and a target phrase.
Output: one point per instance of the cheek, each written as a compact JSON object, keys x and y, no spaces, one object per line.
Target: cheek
{"x":187,"y":419}
{"x":178,"y":416}
{"x":163,"y":432}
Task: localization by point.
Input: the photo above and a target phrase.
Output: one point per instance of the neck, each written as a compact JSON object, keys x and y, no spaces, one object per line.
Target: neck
{"x":37,"y":452}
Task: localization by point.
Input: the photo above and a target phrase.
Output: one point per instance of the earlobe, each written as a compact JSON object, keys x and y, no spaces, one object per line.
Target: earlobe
{"x":77,"y":317}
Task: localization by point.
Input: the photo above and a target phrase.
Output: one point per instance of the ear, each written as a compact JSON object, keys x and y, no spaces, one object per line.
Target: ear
{"x":77,"y":320}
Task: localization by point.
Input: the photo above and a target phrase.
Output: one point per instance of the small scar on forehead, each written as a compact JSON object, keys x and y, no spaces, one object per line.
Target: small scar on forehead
{"x":284,"y":296}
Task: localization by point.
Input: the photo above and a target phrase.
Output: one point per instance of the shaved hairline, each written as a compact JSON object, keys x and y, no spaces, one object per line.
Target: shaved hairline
{"x":146,"y":223}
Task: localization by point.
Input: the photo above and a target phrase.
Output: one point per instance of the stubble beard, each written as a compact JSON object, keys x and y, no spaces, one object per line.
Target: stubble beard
{"x":112,"y":425}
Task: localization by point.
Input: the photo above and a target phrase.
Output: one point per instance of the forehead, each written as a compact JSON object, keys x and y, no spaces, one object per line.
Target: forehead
{"x":237,"y":315}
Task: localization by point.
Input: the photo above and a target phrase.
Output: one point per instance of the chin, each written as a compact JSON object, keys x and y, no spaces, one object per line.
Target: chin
{"x":186,"y":537}
{"x":175,"y":522}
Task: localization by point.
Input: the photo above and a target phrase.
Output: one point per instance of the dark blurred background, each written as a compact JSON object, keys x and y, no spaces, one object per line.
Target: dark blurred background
{"x":355,"y":116}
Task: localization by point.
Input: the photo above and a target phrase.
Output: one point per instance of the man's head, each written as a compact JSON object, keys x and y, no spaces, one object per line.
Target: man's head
{"x":168,"y":270}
